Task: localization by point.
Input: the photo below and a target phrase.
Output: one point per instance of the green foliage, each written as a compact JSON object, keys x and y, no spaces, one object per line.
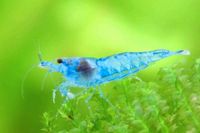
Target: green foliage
{"x":168,"y":103}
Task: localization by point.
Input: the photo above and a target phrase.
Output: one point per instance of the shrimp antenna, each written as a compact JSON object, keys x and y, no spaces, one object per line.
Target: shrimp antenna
{"x":40,"y":54}
{"x":24,"y":78}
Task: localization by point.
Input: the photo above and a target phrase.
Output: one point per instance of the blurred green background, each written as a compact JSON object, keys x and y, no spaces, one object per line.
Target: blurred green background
{"x":93,"y":28}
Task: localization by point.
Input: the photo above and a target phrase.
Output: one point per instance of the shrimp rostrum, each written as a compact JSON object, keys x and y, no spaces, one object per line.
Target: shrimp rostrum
{"x":92,"y":72}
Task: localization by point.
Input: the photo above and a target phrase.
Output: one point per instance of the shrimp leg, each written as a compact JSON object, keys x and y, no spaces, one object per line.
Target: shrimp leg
{"x":103,"y":96}
{"x":107,"y":100}
{"x":63,"y":88}
{"x":136,"y":78}
{"x":90,"y":97}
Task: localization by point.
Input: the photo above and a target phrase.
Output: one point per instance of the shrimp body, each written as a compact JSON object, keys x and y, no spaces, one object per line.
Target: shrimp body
{"x":91,"y":72}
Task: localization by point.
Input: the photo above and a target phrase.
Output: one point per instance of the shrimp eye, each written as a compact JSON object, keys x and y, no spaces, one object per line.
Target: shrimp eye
{"x":59,"y":61}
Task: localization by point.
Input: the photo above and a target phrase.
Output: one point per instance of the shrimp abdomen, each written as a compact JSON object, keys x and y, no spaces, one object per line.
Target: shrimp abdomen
{"x":123,"y":64}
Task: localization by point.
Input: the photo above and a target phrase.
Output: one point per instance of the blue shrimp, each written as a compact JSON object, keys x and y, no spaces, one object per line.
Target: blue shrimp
{"x":92,"y":72}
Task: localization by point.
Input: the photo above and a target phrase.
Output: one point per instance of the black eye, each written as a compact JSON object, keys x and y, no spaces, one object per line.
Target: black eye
{"x":59,"y":61}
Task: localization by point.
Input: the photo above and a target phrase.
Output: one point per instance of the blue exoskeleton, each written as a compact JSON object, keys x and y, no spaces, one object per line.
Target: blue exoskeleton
{"x":92,"y":72}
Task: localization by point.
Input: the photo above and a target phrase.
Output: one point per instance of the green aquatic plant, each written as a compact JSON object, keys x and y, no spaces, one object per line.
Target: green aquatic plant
{"x":168,"y":103}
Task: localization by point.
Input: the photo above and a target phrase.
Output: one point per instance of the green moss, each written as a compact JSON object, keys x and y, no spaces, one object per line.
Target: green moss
{"x":169,"y":103}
